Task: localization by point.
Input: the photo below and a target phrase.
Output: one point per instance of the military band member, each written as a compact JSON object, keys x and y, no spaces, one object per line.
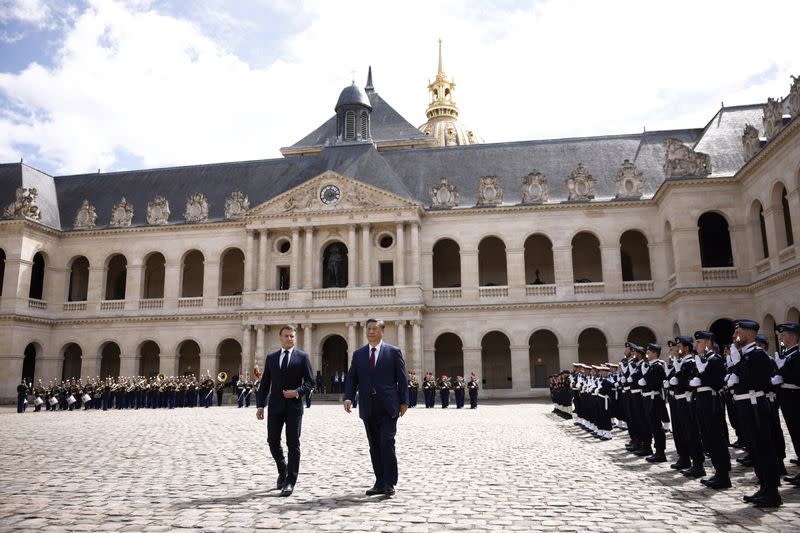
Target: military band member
{"x":787,"y":378}
{"x":472,"y":387}
{"x":458,"y":389}
{"x":444,"y":386}
{"x":413,"y":389}
{"x":220,"y":390}
{"x":240,"y":389}
{"x":429,"y":390}
{"x":22,"y":396}
{"x":751,"y":376}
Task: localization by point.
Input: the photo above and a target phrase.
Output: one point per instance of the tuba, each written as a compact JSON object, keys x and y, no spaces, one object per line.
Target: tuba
{"x":162,"y":377}
{"x":222,"y":377}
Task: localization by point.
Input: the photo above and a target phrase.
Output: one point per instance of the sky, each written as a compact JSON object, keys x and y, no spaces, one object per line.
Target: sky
{"x":88,"y":85}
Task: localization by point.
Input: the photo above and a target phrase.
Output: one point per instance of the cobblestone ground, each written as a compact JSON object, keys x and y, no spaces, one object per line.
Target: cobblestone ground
{"x":511,"y":467}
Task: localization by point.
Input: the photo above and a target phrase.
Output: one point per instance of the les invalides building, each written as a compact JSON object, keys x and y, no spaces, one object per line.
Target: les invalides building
{"x":512,"y":260}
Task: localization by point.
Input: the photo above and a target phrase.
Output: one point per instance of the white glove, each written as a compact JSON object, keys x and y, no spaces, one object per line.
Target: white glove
{"x":777,"y":379}
{"x":630,"y":379}
{"x":673,"y":380}
{"x":695,"y":382}
{"x":728,"y":362}
{"x":733,"y":379}
{"x":701,"y":366}
{"x":735,"y":355}
{"x":779,"y":361}
{"x":666,"y":384}
{"x":645,"y":368}
{"x":642,"y":382}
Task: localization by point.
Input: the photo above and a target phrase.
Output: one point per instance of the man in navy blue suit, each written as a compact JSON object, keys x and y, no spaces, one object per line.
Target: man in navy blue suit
{"x":286,"y":378}
{"x":378,"y":373}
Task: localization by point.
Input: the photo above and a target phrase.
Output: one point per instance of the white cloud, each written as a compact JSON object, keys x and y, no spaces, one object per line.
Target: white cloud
{"x":29,"y":11}
{"x":129,"y":78}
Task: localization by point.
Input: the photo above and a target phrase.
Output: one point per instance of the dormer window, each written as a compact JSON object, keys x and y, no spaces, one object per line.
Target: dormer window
{"x":350,"y":126}
{"x":364,"y":125}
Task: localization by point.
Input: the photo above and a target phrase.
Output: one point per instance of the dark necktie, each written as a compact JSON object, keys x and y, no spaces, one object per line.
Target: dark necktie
{"x":285,"y":362}
{"x":372,"y":359}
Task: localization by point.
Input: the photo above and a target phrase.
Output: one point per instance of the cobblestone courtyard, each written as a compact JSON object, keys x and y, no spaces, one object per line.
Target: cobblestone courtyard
{"x":511,"y":467}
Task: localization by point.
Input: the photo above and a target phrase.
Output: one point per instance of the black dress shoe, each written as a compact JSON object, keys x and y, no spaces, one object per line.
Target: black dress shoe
{"x":375,"y":490}
{"x":389,"y":491}
{"x":791,"y":479}
{"x":657,"y":458}
{"x":694,"y":471}
{"x":643,"y":452}
{"x":281,"y":480}
{"x":287,"y":489}
{"x":718,"y":483}
{"x":772,"y":499}
{"x":680,"y":465}
{"x":756,"y":494}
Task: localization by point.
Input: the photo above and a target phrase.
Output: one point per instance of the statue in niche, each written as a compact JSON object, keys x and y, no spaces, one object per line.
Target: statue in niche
{"x":335,"y":267}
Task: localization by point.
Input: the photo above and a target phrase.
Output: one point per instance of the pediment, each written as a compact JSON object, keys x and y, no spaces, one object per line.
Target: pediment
{"x":330,"y":192}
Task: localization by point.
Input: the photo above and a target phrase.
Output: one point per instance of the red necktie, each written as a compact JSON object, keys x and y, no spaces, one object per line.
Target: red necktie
{"x":372,"y":359}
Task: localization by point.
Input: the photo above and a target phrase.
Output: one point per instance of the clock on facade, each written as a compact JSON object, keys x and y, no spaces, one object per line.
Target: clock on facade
{"x":330,"y":194}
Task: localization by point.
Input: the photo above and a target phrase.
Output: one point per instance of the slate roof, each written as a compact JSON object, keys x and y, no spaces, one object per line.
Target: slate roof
{"x":409,"y":173}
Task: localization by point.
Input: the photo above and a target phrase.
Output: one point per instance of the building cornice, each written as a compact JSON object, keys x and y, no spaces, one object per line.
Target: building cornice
{"x":759,"y":160}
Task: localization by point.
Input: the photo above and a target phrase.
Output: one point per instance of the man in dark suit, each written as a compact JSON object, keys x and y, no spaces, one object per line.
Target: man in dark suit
{"x":378,"y":373}
{"x":286,"y":378}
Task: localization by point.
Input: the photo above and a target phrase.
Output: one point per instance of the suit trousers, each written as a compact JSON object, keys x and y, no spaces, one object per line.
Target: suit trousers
{"x":293,"y":424}
{"x":381,"y":430}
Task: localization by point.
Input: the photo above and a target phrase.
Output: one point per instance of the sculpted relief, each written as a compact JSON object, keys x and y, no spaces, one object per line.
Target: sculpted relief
{"x":794,"y":97}
{"x":122,"y":214}
{"x":85,"y":217}
{"x":580,"y":184}
{"x":773,"y":118}
{"x":158,"y":211}
{"x":682,"y":161}
{"x":236,"y":205}
{"x":630,"y":182}
{"x":490,"y":192}
{"x":534,"y":188}
{"x":24,"y":205}
{"x":750,"y":142}
{"x":196,"y":208}
{"x":444,"y":195}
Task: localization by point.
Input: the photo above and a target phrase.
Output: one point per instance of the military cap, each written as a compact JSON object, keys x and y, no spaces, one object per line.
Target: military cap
{"x":631,"y":345}
{"x":746,"y":324}
{"x":762,"y":338}
{"x":703,"y":335}
{"x":685,"y":340}
{"x":791,"y":327}
{"x":671,"y":343}
{"x":638,"y":349}
{"x":655,"y":348}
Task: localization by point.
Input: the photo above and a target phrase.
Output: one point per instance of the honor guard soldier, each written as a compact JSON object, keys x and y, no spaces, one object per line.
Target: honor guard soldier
{"x":219,"y":388}
{"x":22,"y":396}
{"x":444,"y":390}
{"x":778,"y":442}
{"x":458,"y":390}
{"x":429,"y":390}
{"x":248,"y":390}
{"x":653,"y":375}
{"x":413,"y":389}
{"x":708,"y":383}
{"x":751,"y":376}
{"x":690,"y":464}
{"x":787,"y":378}
{"x":472,"y":387}
{"x":240,"y":393}
{"x":637,"y":427}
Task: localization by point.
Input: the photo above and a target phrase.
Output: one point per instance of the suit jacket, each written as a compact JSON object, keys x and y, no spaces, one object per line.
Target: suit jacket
{"x":297,"y":376}
{"x":388,"y":381}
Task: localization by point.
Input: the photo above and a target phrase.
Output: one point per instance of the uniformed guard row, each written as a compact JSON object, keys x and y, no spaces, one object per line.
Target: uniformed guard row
{"x":695,"y":389}
{"x":444,"y":385}
{"x":135,"y":392}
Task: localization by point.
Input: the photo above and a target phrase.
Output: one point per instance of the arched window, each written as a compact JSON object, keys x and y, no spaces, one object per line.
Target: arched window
{"x":71,"y":366}
{"x":496,"y":361}
{"x":37,"y":277}
{"x":492,"y":269}
{"x":635,"y":256}
{"x":642,"y":336}
{"x":2,"y":269}
{"x":349,"y":126}
{"x":364,"y":125}
{"x":229,"y":357}
{"x":78,"y":280}
{"x":116,"y":277}
{"x":586,"y":263}
{"x":149,"y":359}
{"x":154,"y":269}
{"x":334,"y":265}
{"x":715,"y":241}
{"x":189,"y":358}
{"x":446,"y":264}
{"x":334,"y":360}
{"x":539,"y":260}
{"x":542,"y":357}
{"x":448,"y":355}
{"x":29,"y":363}
{"x":759,"y":227}
{"x":232,"y":273}
{"x":669,"y":249}
{"x":793,"y":315}
{"x":787,"y":219}
{"x":192,"y":282}
{"x":592,"y":347}
{"x":110,"y":361}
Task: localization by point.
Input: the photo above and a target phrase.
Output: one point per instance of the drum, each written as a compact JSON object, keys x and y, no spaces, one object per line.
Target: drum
{"x":71,"y":399}
{"x":53,"y":400}
{"x":38,"y":401}
{"x":86,"y":398}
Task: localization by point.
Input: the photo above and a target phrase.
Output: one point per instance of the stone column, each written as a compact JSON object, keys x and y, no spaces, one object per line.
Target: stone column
{"x":11,"y":282}
{"x":351,"y":339}
{"x":687,"y":255}
{"x":294,"y":274}
{"x":400,"y":255}
{"x":210,"y":282}
{"x":658,"y":266}
{"x":172,"y":283}
{"x":308,"y":258}
{"x":516,"y":269}
{"x":473,"y":363}
{"x":415,"y":255}
{"x":793,"y":198}
{"x":263,"y":258}
{"x":611,"y":261}
{"x":401,"y":343}
{"x":420,"y":363}
{"x":310,"y":347}
{"x":740,"y":250}
{"x":247,"y":347}
{"x":259,"y":355}
{"x":365,"y":278}
{"x":133,"y":284}
{"x":352,"y":254}
{"x":249,"y":260}
{"x":470,"y":280}
{"x":564,"y":276}
{"x":96,"y":289}
{"x":520,"y":368}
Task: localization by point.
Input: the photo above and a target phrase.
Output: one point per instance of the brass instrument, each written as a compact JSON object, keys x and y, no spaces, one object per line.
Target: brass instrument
{"x":257,"y":372}
{"x":162,"y":377}
{"x":222,"y":377}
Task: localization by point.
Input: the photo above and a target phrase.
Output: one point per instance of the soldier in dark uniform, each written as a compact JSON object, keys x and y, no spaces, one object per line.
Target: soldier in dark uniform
{"x":413,"y":389}
{"x":778,"y":442}
{"x":248,"y":390}
{"x":751,"y":376}
{"x":458,"y":389}
{"x":240,"y":393}
{"x":638,"y":428}
{"x":472,"y":387}
{"x":22,"y":396}
{"x":787,"y":378}
{"x":444,"y":386}
{"x":220,"y":390}
{"x":707,"y":383}
{"x":429,"y":390}
{"x":653,"y":375}
{"x":684,"y":417}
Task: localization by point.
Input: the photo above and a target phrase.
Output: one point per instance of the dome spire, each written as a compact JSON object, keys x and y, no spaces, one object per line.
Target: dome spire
{"x":369,"y":86}
{"x":441,"y":69}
